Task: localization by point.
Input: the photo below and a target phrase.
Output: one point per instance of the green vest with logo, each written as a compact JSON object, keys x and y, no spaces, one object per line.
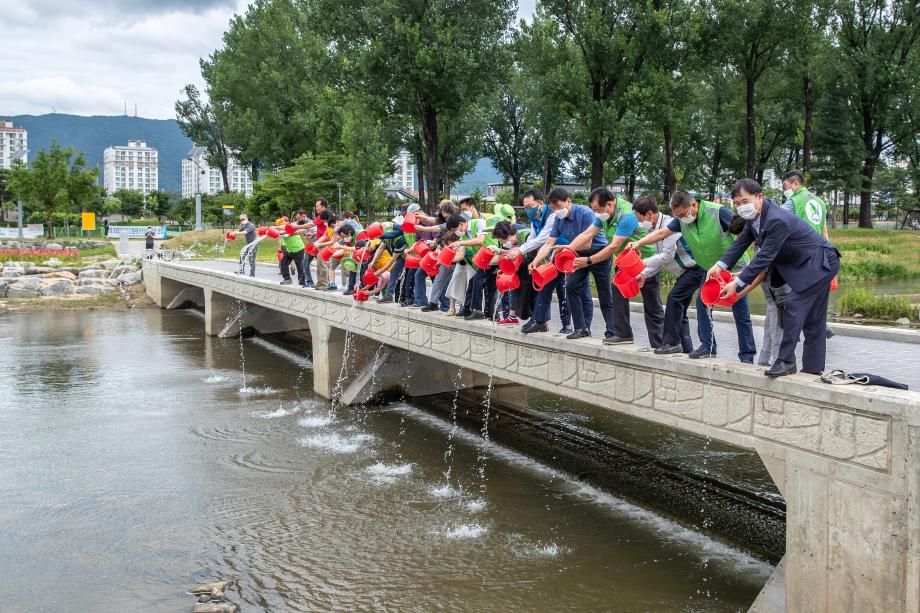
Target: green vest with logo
{"x":292,"y":244}
{"x":624,"y":208}
{"x":472,"y":231}
{"x":810,"y":208}
{"x":705,"y":236}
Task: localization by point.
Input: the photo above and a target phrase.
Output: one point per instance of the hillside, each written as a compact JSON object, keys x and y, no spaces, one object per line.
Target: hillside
{"x":92,"y":135}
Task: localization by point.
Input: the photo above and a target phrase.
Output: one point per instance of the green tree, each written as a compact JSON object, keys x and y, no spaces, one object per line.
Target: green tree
{"x":510,"y":138}
{"x":55,"y":183}
{"x":5,"y":193}
{"x":202,"y":123}
{"x":159,"y":203}
{"x":367,"y":159}
{"x":299,"y":186}
{"x":875,"y":57}
{"x":131,"y":202}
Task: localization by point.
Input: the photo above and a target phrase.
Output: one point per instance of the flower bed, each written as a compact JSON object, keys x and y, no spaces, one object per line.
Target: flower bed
{"x":37,"y":255}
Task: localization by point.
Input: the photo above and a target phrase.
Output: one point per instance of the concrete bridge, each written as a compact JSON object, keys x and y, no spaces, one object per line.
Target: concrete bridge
{"x":846,"y":458}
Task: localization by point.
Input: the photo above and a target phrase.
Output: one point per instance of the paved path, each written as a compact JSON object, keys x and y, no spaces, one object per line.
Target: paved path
{"x":895,"y":360}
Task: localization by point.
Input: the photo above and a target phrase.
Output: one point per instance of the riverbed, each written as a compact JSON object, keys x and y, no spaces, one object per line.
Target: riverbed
{"x":139,"y":457}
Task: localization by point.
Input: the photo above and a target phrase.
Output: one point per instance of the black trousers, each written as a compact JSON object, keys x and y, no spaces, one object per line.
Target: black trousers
{"x":482,"y":288}
{"x":654,"y":314}
{"x":297,"y":258}
{"x":806,"y":313}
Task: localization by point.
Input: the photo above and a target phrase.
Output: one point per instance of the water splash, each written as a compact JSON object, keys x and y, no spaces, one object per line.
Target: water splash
{"x":336,"y":443}
{"x":279,"y":412}
{"x":388,"y":473}
{"x":449,"y":451}
{"x":314,"y":421}
{"x":464,"y":531}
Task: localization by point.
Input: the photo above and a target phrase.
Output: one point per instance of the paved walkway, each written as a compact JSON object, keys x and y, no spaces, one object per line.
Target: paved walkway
{"x":895,"y":360}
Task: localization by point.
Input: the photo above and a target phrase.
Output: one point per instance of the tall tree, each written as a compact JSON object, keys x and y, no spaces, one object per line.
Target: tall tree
{"x":367,"y":155}
{"x":750,"y":36}
{"x":199,"y":121}
{"x":422,"y":57}
{"x":510,"y":138}
{"x":876,"y":43}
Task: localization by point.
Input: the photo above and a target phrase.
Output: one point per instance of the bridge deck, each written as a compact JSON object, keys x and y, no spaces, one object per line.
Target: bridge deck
{"x":892,"y":359}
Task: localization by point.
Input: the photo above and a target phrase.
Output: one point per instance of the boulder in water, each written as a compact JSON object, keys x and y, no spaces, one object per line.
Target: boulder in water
{"x":24,"y":287}
{"x":216,"y":607}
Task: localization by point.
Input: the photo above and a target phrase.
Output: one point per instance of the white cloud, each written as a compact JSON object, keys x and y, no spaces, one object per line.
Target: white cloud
{"x":60,"y":56}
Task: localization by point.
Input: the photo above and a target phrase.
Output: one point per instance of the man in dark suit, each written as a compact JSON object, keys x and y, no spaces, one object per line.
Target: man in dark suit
{"x":805,"y":259}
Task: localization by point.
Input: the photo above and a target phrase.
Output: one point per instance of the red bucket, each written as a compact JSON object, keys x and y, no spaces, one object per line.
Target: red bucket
{"x":543,"y":274}
{"x":509,"y":266}
{"x":429,"y":264}
{"x":280,"y":256}
{"x":412,"y":261}
{"x":626,"y":283}
{"x":629,"y":262}
{"x":369,"y":278}
{"x":262,"y":230}
{"x":565,"y":260}
{"x":711,"y":289}
{"x":362,"y":255}
{"x":447,"y":256}
{"x":231,"y":236}
{"x":311,"y":249}
{"x":272,"y":233}
{"x":326,"y":254}
{"x":506,"y":283}
{"x":421,"y":248}
{"x":362,"y":236}
{"x":409,"y":222}
{"x":360,"y":295}
{"x":289,"y":229}
{"x":834,"y":284}
{"x":375,"y":230}
{"x":483,"y":258}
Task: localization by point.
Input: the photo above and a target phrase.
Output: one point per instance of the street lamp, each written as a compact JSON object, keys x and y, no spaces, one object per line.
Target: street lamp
{"x":339,"y":185}
{"x":198,"y":225}
{"x":22,"y":153}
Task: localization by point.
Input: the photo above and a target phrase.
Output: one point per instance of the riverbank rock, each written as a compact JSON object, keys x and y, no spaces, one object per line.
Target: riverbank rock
{"x":903,"y":321}
{"x":120,"y":270}
{"x":24,"y":287}
{"x":11,"y":272}
{"x":130,"y":278}
{"x":52,"y":263}
{"x":3,"y":287}
{"x":111,"y":264}
{"x":60,"y":274}
{"x":39,"y":270}
{"x":94,"y":273}
{"x":95,"y":288}
{"x":54,"y":246}
{"x":57,"y":287}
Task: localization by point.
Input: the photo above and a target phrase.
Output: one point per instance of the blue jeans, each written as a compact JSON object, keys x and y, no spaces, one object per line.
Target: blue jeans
{"x":395,"y":275}
{"x":308,"y":259}
{"x":541,"y":307}
{"x":439,"y":287}
{"x":421,"y":296}
{"x":676,"y":330}
{"x":746,"y":346}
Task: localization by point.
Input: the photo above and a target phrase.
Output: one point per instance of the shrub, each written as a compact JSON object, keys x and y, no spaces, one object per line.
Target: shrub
{"x":870,"y":269}
{"x":861,"y":300}
{"x":864,"y":246}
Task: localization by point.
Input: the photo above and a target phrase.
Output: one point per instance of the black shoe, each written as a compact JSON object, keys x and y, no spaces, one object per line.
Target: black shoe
{"x":473,"y":316}
{"x":464,"y":313}
{"x":429,"y":307}
{"x":405,"y":303}
{"x":781,"y":369}
{"x":348,"y":292}
{"x":829,"y":333}
{"x":617,"y":340}
{"x":385,"y":300}
{"x":534,"y":326}
{"x":668,"y":349}
{"x":577,"y":334}
{"x":566,"y":330}
{"x":701,"y":352}
{"x":286,"y":282}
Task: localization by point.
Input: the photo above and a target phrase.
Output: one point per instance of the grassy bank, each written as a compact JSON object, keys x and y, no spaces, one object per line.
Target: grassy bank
{"x":873,"y":255}
{"x":203,"y":244}
{"x":136,"y":297}
{"x":863,"y":302}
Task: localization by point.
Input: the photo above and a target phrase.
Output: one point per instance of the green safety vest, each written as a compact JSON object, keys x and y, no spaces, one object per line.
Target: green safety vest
{"x":705,"y":236}
{"x":472,"y":231}
{"x":292,"y":244}
{"x":522,"y":236}
{"x":810,"y":208}
{"x":623,"y":208}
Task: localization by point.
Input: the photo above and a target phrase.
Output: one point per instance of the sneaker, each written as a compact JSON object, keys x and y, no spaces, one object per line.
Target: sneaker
{"x":509,"y":321}
{"x":286,"y":282}
{"x":566,"y":330}
{"x":668,"y":349}
{"x":701,"y":352}
{"x":464,"y":312}
{"x":616,"y":340}
{"x":475,"y":315}
{"x":332,"y":286}
{"x":348,"y":292}
{"x":429,"y":307}
{"x":577,"y":334}
{"x":308,"y":284}
{"x":534,"y":326}
{"x":320,"y":288}
{"x":385,"y":300}
{"x":405,"y":303}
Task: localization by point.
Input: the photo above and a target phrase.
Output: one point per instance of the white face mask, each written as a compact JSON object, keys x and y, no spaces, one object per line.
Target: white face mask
{"x":467,"y":215}
{"x":562,"y":213}
{"x":747,"y":210}
{"x":788,"y":193}
{"x":507,"y":245}
{"x":603,"y":216}
{"x":645,"y":225}
{"x":687,"y":219}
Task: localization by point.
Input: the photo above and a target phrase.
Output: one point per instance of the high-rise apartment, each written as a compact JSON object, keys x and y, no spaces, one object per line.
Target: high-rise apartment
{"x":200,"y":178}
{"x":131,"y":167}
{"x":14,"y":143}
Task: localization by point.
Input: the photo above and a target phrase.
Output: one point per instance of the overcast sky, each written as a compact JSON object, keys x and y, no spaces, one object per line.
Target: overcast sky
{"x":92,"y":57}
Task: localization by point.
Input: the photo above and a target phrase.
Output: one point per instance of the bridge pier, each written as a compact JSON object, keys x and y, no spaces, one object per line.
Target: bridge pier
{"x":218,"y":310}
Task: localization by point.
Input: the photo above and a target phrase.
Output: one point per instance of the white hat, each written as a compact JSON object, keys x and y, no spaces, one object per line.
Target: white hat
{"x":412,"y":208}
{"x":398,"y":220}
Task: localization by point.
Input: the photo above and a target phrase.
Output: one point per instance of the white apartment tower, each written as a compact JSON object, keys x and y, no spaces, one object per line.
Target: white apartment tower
{"x":131,"y":167}
{"x":200,"y":178}
{"x":404,"y":175}
{"x":14,"y":144}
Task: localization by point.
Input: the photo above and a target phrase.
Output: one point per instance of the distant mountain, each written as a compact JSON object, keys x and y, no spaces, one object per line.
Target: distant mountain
{"x":92,"y":135}
{"x":481,"y":175}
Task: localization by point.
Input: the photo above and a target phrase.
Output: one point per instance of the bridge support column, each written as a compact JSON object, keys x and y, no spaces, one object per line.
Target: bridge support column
{"x":218,"y":309}
{"x":194,"y":295}
{"x":265,"y":321}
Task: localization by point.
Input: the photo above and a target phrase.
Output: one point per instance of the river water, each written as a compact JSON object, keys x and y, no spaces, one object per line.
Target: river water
{"x":133,"y":466}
